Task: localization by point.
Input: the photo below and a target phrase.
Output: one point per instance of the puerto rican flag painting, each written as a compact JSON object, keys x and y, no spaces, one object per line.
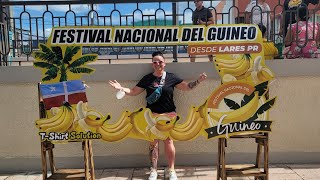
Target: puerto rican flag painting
{"x":54,"y":95}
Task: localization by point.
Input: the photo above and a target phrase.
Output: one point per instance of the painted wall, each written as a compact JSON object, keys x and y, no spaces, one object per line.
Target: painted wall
{"x":294,"y":138}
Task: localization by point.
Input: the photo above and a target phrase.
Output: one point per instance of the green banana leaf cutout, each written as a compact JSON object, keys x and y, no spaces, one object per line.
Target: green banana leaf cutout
{"x":247,"y":99}
{"x":67,"y":63}
{"x":262,"y":88}
{"x":231,"y":104}
{"x":265,"y":107}
{"x":234,"y":105}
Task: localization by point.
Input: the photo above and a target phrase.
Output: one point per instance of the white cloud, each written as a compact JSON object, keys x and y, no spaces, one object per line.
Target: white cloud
{"x":187,"y":18}
{"x":153,"y":11}
{"x":82,"y":8}
{"x":148,"y":11}
{"x":47,"y":32}
{"x":36,"y":8}
{"x":78,"y":8}
{"x":208,"y":3}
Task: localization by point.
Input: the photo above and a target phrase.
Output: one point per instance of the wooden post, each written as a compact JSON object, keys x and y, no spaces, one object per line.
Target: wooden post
{"x":91,"y":160}
{"x":86,"y":160}
{"x":258,"y":155}
{"x":223,"y":160}
{"x":258,"y":161}
{"x":49,"y":148}
{"x":219,"y":159}
{"x":266,"y":156}
{"x":44,"y":162}
{"x":51,"y":160}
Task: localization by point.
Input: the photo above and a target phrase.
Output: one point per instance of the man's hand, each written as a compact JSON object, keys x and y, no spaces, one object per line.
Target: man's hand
{"x":115,"y":84}
{"x":201,"y":22}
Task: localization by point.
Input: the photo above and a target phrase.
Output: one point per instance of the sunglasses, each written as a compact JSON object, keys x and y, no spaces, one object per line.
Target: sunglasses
{"x":157,"y":62}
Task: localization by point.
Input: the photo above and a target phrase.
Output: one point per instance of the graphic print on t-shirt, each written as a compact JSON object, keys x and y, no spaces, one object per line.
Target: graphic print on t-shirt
{"x":294,"y":3}
{"x":154,"y":84}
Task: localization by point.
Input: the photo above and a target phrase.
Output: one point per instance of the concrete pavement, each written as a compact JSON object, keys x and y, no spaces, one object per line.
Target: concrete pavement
{"x":277,"y":172}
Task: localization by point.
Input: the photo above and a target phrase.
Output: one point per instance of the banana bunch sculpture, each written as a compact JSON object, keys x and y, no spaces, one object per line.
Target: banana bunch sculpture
{"x":244,"y":67}
{"x":203,"y":117}
{"x":143,"y":124}
{"x":239,"y":108}
{"x":68,"y":118}
{"x":89,"y":119}
{"x":116,"y":131}
{"x":62,"y":121}
{"x":150,"y":127}
{"x":190,"y":129}
{"x":241,"y":114}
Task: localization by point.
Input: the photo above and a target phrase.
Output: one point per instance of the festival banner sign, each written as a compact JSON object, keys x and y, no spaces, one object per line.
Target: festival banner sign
{"x":238,"y":106}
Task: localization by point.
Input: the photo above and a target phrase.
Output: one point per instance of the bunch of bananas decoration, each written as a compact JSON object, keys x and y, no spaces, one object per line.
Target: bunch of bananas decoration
{"x":89,"y":119}
{"x":68,"y":118}
{"x":241,"y":114}
{"x":116,"y":131}
{"x":244,"y":67}
{"x":191,"y":128}
{"x":62,"y":121}
{"x":201,"y":118}
{"x":143,"y":124}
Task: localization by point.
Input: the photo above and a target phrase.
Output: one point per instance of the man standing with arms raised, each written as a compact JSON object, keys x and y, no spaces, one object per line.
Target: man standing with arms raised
{"x":160,"y":102}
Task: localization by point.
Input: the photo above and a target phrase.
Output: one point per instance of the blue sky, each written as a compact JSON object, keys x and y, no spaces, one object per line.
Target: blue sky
{"x":102,"y":10}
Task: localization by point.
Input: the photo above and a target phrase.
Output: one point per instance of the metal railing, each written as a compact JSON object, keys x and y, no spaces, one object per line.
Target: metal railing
{"x":27,"y":23}
{"x":4,"y":44}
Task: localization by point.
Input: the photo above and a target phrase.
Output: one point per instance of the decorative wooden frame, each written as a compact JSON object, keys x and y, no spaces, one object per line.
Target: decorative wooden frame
{"x":242,"y":170}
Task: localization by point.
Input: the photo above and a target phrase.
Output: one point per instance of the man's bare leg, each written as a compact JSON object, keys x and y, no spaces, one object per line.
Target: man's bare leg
{"x":154,"y":153}
{"x":170,"y":152}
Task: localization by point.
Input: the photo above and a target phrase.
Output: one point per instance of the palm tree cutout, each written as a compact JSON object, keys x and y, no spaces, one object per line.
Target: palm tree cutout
{"x":56,"y":62}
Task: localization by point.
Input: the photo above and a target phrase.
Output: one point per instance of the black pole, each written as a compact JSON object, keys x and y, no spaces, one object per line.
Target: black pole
{"x":174,"y":22}
{"x":2,"y":37}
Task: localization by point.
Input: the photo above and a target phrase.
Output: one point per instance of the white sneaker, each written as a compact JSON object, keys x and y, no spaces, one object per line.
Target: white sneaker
{"x":153,"y":174}
{"x":172,"y":175}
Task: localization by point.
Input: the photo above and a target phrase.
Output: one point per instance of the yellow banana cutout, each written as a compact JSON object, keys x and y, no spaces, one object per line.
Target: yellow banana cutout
{"x":188,"y":133}
{"x":238,"y":115}
{"x":63,"y":124}
{"x":249,"y":69}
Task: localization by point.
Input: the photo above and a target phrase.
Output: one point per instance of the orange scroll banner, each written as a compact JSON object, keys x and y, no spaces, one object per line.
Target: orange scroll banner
{"x":208,"y":49}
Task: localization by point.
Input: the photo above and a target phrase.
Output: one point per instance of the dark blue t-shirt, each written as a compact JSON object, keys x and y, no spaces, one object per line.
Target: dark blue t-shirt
{"x":165,"y":103}
{"x":204,"y":14}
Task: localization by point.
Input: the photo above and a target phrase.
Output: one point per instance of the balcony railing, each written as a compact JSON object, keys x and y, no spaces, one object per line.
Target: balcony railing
{"x":25,"y":24}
